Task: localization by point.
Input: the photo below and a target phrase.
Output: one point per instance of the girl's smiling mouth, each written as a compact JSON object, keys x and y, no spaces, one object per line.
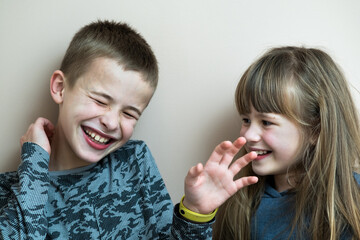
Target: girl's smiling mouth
{"x":261,"y":154}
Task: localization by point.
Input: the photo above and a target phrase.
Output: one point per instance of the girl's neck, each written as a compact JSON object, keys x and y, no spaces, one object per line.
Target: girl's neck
{"x":283,"y":182}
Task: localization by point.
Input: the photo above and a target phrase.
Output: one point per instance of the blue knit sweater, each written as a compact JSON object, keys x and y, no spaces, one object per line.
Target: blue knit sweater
{"x":121,"y":197}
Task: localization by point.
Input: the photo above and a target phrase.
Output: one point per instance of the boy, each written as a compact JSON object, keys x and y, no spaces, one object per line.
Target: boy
{"x":84,"y":178}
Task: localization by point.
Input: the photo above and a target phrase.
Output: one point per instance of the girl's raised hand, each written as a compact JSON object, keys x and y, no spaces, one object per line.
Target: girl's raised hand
{"x":39,"y":132}
{"x":209,"y":186}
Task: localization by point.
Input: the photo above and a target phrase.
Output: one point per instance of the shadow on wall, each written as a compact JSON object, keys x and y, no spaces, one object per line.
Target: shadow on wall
{"x":224,"y":126}
{"x":40,"y":105}
{"x":175,"y":160}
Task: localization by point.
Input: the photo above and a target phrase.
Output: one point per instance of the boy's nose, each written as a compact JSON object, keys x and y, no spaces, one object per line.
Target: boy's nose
{"x":110,"y":120}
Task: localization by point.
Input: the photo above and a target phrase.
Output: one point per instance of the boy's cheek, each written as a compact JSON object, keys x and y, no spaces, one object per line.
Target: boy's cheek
{"x":128,"y":129}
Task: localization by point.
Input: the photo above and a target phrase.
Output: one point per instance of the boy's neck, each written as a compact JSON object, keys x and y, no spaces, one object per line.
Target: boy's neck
{"x":61,"y":158}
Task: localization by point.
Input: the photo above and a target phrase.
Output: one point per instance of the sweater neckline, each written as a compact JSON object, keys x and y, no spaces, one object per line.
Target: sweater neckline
{"x":72,"y":171}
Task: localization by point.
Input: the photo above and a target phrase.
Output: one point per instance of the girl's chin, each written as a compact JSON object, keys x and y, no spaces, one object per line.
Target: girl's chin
{"x":260,"y":172}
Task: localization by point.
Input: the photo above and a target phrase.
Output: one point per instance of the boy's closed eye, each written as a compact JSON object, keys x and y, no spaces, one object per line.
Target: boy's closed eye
{"x":131,"y":115}
{"x":100,"y":97}
{"x":100,"y":102}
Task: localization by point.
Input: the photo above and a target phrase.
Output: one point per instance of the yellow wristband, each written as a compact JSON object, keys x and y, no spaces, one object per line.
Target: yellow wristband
{"x":194,"y":216}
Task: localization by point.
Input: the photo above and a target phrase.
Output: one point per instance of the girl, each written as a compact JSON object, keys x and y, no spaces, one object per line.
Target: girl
{"x":298,"y":115}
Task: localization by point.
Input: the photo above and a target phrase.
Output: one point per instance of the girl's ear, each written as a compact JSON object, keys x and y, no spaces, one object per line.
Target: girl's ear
{"x":57,"y":86}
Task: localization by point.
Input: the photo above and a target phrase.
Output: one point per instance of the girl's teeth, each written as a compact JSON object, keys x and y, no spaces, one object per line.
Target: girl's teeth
{"x":261,"y":152}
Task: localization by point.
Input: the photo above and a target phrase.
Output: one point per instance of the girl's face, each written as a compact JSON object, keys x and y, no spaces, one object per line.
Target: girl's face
{"x":276,"y":140}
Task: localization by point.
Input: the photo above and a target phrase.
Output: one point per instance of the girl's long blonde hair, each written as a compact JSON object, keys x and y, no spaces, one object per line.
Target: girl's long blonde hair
{"x":305,"y":85}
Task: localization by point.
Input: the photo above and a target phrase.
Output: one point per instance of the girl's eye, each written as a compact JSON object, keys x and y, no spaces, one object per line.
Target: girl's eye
{"x":246,"y":120}
{"x":267,"y":123}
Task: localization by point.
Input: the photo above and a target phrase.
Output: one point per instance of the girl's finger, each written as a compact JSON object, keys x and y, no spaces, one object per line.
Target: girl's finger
{"x":232,"y":151}
{"x":245,"y":181}
{"x":219,"y":151}
{"x":193,"y":174}
{"x":237,"y":145}
{"x":242,"y":162}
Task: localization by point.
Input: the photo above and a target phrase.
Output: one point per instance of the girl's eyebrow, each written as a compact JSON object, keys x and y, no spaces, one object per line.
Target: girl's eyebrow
{"x":267,"y":115}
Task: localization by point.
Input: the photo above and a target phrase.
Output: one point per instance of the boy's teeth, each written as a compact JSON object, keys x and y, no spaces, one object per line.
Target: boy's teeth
{"x":96,"y":137}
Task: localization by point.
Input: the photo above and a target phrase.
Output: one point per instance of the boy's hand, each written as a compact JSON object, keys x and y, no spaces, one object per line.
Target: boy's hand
{"x":39,"y":132}
{"x":206,"y":188}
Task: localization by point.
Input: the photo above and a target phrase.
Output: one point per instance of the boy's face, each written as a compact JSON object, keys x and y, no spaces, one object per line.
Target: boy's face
{"x":99,"y":113}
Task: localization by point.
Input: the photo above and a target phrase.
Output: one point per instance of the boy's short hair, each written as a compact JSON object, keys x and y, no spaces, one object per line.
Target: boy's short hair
{"x":113,"y":40}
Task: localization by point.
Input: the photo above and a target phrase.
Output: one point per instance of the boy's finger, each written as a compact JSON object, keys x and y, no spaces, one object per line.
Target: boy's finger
{"x":44,"y":123}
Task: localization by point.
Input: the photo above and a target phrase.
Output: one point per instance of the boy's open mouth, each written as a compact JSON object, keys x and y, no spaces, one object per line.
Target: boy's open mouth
{"x":95,"y":137}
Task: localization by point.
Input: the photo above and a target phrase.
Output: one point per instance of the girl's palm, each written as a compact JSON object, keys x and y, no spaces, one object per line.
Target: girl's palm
{"x":207,"y":187}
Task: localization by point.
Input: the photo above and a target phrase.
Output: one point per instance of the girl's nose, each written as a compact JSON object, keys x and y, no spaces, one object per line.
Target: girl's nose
{"x":252,"y":133}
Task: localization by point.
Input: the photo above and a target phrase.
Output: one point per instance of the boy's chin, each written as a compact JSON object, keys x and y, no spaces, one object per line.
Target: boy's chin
{"x":89,"y":158}
{"x":93,"y":156}
{"x":93,"y":159}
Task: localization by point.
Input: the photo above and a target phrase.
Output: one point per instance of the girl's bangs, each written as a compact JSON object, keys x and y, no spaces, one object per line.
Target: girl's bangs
{"x":264,"y":88}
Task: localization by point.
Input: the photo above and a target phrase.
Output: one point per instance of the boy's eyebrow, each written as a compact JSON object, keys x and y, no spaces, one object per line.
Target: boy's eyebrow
{"x":109,"y":98}
{"x":104,"y":95}
{"x":135,"y":110}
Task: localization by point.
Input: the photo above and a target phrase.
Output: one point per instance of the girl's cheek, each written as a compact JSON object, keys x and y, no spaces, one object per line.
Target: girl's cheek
{"x":242,"y":131}
{"x":270,"y":139}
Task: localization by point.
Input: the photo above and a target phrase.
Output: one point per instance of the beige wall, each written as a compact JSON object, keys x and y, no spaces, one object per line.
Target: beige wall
{"x":203,"y":47}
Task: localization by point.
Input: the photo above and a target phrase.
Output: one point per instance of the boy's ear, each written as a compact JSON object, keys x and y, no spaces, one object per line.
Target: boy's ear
{"x":57,"y":86}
